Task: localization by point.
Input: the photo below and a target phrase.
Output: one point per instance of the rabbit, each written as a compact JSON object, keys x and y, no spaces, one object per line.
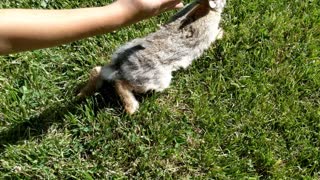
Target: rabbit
{"x":146,"y":64}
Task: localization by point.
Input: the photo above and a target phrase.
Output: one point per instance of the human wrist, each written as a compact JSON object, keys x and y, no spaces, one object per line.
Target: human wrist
{"x":130,"y":12}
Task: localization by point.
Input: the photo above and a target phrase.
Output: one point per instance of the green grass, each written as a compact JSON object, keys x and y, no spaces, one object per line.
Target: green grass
{"x":247,"y":109}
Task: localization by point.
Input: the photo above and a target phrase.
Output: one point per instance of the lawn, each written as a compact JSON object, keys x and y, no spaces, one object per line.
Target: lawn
{"x":249,"y":108}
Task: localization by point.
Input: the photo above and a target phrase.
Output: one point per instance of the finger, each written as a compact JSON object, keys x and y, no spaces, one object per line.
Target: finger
{"x":170,"y":3}
{"x":178,"y":6}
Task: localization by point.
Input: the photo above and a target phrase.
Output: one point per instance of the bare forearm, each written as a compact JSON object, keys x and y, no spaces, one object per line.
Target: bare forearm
{"x":34,"y":29}
{"x":22,"y":30}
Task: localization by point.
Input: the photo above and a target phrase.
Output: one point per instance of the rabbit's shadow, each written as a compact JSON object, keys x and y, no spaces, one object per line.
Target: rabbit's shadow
{"x":39,"y":125}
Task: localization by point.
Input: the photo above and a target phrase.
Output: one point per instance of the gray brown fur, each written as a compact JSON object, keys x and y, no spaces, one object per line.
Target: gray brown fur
{"x":147,"y":63}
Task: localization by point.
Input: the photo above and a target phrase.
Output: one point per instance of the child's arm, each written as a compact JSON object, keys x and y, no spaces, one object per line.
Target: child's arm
{"x":22,"y":30}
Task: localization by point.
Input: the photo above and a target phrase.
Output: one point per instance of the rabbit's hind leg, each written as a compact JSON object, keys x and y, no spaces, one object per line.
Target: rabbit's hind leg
{"x":124,"y":90}
{"x":93,"y":84}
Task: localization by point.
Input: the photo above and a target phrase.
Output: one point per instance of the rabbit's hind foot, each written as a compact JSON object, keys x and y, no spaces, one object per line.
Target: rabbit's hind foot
{"x":220,"y":34}
{"x":124,"y":90}
{"x":93,"y":84}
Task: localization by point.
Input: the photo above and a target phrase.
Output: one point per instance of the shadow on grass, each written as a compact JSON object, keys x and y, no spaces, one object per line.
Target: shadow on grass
{"x":39,"y":125}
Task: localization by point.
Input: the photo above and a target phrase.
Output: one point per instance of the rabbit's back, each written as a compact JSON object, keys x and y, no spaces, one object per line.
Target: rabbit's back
{"x":148,"y":62}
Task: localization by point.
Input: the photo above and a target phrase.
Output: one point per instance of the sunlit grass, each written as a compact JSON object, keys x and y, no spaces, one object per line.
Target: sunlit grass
{"x":248,"y":108}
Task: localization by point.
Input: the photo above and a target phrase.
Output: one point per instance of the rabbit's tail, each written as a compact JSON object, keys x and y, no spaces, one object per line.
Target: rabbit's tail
{"x":97,"y":75}
{"x":109,"y":73}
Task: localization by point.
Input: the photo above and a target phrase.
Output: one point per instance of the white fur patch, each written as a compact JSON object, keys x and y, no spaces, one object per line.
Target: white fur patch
{"x":212,"y":4}
{"x":107,"y":73}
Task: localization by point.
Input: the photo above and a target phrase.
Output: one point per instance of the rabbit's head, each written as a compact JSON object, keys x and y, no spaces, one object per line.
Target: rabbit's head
{"x":199,"y":8}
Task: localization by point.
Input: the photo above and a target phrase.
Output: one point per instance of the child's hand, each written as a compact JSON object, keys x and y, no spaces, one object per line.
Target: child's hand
{"x":148,"y":8}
